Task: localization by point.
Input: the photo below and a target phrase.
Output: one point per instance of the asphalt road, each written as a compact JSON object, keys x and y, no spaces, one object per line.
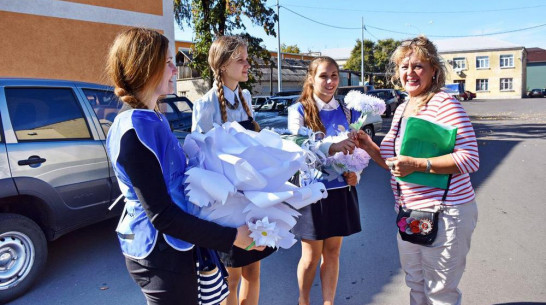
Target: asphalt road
{"x":506,"y":264}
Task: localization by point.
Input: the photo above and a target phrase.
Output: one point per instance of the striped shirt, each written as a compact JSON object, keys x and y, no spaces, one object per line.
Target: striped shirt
{"x":443,"y":109}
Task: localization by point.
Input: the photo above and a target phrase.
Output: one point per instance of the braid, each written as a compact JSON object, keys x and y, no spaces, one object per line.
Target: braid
{"x":247,"y":110}
{"x":128,"y":98}
{"x":221,"y":98}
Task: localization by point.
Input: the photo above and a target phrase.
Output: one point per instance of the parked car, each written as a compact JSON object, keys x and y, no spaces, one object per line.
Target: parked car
{"x":178,"y":110}
{"x":342,"y":91}
{"x":467,"y":95}
{"x":404,"y":97}
{"x":257,"y":101}
{"x":56,"y":176}
{"x":283,"y":102}
{"x":536,"y":93}
{"x":389,"y":96}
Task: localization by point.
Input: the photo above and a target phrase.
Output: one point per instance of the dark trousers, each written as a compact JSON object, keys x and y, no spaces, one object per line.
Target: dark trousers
{"x":167,"y":286}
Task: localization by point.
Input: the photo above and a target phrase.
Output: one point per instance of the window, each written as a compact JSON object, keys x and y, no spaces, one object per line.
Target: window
{"x":105,"y":104}
{"x":46,"y":114}
{"x":459,"y":63}
{"x":482,"y":85}
{"x":507,"y":61}
{"x":482,"y":62}
{"x":506,"y":84}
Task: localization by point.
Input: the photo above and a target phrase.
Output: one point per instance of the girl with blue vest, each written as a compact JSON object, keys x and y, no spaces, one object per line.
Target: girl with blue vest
{"x":227,"y":102}
{"x":324,"y":223}
{"x":157,"y":230}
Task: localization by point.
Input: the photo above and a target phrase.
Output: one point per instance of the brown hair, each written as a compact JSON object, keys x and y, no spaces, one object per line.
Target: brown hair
{"x":222,"y":50}
{"x":311,"y":115}
{"x":425,"y":50}
{"x":135,"y":64}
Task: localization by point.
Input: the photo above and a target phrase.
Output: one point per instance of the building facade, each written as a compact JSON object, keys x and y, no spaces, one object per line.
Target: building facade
{"x":493,"y":69}
{"x":70,"y":39}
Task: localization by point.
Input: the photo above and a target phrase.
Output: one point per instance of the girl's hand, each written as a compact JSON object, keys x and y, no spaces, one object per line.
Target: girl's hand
{"x":402,"y":166}
{"x":346,"y":147}
{"x":243,"y":239}
{"x":350,"y":178}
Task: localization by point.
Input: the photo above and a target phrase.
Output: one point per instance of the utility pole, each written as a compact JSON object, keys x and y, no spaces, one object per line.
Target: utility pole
{"x":362,"y":77}
{"x":279,"y":71}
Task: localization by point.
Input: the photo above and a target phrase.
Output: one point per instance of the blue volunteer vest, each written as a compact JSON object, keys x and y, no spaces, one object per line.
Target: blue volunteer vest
{"x":136,"y":233}
{"x":332,"y":120}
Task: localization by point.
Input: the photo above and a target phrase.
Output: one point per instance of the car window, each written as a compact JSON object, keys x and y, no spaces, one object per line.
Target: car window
{"x":105,"y":104}
{"x":183,"y":106}
{"x":46,"y":114}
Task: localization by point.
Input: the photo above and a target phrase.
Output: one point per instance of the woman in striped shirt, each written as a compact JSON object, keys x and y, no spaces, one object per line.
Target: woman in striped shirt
{"x":432,"y":272}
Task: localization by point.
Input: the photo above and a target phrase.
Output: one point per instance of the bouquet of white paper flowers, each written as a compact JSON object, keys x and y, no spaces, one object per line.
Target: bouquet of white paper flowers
{"x":239,"y":176}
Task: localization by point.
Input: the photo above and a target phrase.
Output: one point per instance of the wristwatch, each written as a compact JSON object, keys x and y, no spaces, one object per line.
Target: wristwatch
{"x":429,"y":165}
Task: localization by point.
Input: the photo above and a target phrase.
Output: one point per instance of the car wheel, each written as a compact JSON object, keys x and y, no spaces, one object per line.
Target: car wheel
{"x":388,"y":111}
{"x":368,"y":129}
{"x":23,"y":253}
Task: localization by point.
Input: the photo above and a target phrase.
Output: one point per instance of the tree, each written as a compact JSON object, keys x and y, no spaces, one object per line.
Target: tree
{"x":376,"y":58}
{"x":290,"y":49}
{"x":213,"y":18}
{"x":354,"y":61}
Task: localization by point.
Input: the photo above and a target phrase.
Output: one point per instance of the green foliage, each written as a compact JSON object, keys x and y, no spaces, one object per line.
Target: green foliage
{"x":213,"y":18}
{"x":376,"y":58}
{"x":290,"y":49}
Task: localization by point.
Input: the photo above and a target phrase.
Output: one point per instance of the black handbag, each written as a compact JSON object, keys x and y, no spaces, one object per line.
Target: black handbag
{"x":211,"y":277}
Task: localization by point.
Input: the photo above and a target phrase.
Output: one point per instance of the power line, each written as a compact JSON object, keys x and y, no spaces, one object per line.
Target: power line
{"x":406,"y":33}
{"x":420,"y":12}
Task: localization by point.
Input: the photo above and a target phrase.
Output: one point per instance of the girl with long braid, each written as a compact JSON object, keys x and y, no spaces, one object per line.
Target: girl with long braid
{"x":226,"y":102}
{"x":157,"y":230}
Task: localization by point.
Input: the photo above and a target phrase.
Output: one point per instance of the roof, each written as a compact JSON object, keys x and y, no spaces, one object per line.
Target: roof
{"x":536,"y":55}
{"x":473,"y":44}
{"x":337,"y":54}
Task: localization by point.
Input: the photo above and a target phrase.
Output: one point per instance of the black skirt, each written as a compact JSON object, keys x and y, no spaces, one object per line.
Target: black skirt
{"x":336,"y":215}
{"x":238,"y":257}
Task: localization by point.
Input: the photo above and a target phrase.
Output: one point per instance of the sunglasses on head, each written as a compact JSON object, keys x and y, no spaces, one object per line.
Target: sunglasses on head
{"x":415,"y":41}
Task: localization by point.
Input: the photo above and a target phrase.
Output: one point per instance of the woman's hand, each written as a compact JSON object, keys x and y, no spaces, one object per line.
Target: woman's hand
{"x":402,"y":166}
{"x":346,"y":147}
{"x":350,"y":178}
{"x":243,"y":239}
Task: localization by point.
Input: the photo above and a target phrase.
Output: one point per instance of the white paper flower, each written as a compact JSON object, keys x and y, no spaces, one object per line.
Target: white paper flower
{"x":264,"y":233}
{"x":364,"y":103}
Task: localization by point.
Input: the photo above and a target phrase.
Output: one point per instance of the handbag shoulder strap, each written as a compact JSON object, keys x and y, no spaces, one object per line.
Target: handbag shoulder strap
{"x":398,"y":184}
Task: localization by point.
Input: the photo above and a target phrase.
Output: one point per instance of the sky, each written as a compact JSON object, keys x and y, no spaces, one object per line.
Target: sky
{"x":342,"y":21}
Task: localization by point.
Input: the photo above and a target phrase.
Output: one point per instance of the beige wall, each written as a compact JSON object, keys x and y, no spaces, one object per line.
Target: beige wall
{"x":494,"y":73}
{"x":70,"y":39}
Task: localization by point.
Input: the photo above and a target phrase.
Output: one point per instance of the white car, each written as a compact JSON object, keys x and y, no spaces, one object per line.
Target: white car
{"x":372,"y":124}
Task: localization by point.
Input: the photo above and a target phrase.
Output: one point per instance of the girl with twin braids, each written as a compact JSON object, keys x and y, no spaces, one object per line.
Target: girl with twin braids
{"x":227,"y":102}
{"x":157,"y":231}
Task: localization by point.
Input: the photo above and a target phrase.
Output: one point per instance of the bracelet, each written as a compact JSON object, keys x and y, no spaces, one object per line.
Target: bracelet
{"x":250,"y":246}
{"x":429,"y":166}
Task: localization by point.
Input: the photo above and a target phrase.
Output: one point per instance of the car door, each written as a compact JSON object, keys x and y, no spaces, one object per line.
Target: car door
{"x":52,"y":142}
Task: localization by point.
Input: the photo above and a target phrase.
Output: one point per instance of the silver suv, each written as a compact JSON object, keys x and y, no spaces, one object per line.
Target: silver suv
{"x":55,"y":175}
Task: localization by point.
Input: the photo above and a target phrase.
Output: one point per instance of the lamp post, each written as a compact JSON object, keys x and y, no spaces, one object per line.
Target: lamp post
{"x":279,"y":72}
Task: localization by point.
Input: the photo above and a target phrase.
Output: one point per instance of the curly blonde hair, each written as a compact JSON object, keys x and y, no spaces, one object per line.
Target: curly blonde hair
{"x":425,"y":50}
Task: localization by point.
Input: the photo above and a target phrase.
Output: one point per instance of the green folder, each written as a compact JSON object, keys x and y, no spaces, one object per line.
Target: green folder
{"x":425,"y":139}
